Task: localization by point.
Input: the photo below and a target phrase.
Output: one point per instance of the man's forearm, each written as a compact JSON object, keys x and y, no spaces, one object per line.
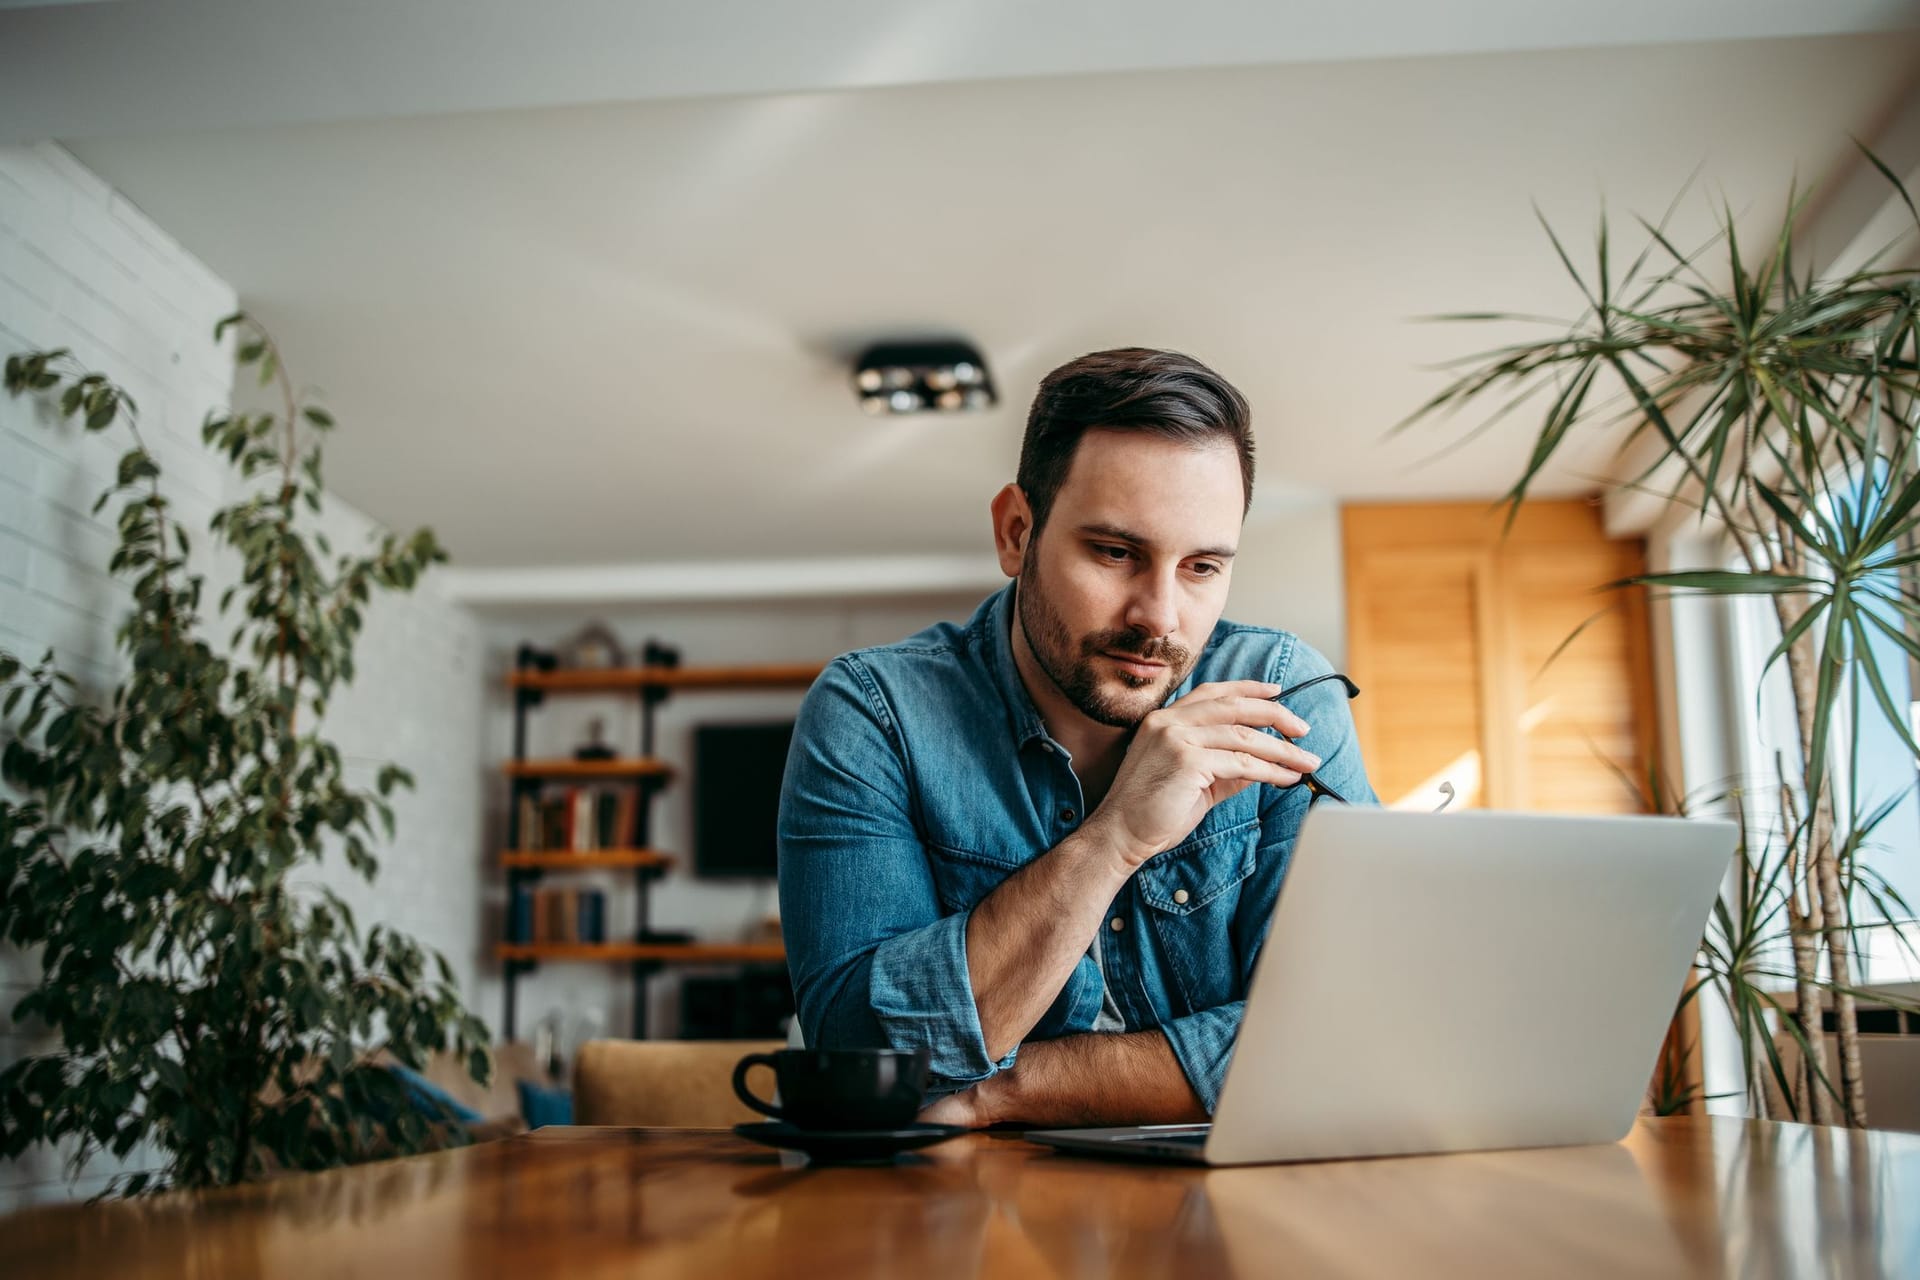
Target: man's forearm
{"x":1025,"y":937}
{"x":1092,"y":1080}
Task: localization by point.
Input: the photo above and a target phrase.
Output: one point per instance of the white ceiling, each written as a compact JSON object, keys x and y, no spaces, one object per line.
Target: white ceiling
{"x":617,"y":333}
{"x":147,"y":66}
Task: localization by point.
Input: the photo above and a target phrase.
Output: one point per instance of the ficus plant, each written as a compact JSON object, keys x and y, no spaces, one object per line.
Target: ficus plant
{"x":158,"y":839}
{"x":1782,"y":407}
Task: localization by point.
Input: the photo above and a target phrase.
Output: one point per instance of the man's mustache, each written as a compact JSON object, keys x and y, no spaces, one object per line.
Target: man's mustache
{"x":1134,"y":645}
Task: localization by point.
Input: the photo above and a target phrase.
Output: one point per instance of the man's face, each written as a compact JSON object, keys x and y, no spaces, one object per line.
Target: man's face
{"x":1124,"y":584}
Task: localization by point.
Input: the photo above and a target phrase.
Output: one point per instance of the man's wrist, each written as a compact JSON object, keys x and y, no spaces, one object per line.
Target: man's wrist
{"x":1110,"y":847}
{"x":993,"y":1098}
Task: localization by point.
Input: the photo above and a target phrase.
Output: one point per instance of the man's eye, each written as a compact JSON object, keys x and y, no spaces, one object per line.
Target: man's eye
{"x":1205,"y":568}
{"x":1113,"y":553}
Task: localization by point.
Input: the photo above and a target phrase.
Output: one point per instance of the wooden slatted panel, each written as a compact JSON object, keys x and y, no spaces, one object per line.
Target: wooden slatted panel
{"x":1582,"y":707}
{"x":1450,"y":628}
{"x":1412,"y":634}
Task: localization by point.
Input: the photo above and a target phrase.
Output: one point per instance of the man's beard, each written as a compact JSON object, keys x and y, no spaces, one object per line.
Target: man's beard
{"x":1071,"y":666}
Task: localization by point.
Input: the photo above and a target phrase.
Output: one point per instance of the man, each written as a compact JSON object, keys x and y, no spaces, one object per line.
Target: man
{"x":1044,"y":846}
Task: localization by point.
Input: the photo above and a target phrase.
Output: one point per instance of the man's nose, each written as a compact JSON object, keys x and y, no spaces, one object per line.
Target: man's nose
{"x":1152,"y":609}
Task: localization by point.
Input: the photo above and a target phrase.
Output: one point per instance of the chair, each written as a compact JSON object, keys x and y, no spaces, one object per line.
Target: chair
{"x":668,"y":1084}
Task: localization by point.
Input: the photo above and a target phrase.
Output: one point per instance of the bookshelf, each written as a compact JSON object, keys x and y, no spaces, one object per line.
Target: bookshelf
{"x":588,"y":770}
{"x":594,"y":859}
{"x":531,"y":682}
{"x":680,"y":952}
{"x":622,"y":679}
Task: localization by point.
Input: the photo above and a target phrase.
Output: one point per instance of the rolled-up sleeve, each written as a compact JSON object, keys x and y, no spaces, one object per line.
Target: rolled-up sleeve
{"x":1203,"y":1041}
{"x":1203,"y":1044}
{"x":875,"y":961}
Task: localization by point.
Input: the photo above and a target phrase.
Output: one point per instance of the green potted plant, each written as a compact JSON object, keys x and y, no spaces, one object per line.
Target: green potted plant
{"x":207,"y":999}
{"x":1781,"y":409}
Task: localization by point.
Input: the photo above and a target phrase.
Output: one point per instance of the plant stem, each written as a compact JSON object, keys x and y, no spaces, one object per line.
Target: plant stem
{"x":1840,"y":970}
{"x":1805,"y":914}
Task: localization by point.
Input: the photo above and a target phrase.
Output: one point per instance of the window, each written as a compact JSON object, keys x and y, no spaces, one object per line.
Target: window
{"x":1884,"y":767}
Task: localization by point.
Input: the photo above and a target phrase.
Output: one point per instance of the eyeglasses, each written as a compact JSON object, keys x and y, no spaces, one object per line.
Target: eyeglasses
{"x":1314,"y":786}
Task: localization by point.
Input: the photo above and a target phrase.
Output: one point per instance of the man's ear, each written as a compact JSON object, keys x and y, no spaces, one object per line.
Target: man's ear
{"x":1012,"y":528}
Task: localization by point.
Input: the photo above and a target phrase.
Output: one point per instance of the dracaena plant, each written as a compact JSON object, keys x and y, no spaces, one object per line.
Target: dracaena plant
{"x":208,"y":998}
{"x":1781,"y":409}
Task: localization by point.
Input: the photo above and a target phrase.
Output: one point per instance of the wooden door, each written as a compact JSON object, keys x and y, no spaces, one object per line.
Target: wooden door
{"x":1500,"y":664}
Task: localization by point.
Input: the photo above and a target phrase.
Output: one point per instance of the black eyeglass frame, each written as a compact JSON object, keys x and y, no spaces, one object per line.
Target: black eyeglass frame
{"x":1314,"y":786}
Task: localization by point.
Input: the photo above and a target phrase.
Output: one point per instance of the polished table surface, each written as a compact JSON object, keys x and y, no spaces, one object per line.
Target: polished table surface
{"x":1679,"y":1197}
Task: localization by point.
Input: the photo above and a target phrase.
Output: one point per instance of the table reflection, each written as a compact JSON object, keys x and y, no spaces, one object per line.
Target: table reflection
{"x":1680,"y":1197}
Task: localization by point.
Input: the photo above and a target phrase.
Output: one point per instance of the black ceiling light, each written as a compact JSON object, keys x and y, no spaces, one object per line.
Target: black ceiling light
{"x":922,"y":377}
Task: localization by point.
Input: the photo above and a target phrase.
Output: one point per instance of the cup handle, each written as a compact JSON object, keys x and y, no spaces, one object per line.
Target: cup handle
{"x":746,"y":1095}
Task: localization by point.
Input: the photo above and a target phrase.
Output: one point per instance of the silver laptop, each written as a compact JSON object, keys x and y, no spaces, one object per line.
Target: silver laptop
{"x":1453,"y":982}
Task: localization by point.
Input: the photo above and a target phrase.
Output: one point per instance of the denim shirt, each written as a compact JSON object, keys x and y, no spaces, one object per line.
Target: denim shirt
{"x":921,"y":777}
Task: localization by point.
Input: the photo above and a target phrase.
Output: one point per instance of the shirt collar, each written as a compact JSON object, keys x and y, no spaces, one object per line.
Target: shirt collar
{"x":1023,"y":718}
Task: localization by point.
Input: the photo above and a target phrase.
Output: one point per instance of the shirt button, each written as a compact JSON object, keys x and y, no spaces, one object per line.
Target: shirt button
{"x":1179,"y":895}
{"x":1117,"y":923}
{"x":1066,"y":815}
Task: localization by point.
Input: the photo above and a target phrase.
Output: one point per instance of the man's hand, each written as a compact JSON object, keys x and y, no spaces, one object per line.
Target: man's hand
{"x":1025,"y":937}
{"x":1190,"y":755}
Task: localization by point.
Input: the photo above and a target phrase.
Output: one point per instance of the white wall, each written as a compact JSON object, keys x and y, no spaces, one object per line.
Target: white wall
{"x":82,"y":268}
{"x":1289,"y":574}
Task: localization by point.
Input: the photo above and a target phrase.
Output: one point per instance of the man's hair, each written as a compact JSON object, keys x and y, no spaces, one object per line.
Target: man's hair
{"x":1164,"y":393}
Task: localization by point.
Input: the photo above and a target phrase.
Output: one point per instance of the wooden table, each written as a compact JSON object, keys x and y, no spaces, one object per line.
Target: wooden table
{"x":1680,"y":1197}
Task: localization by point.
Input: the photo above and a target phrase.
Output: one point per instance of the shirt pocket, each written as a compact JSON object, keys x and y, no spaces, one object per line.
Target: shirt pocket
{"x":961,"y":878}
{"x":1190,"y":895}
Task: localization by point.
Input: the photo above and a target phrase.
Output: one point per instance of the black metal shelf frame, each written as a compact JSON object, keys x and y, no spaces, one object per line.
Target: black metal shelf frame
{"x":525,"y":700}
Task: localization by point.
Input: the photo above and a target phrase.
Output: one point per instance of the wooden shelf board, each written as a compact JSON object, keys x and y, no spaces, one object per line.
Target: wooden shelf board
{"x":561,"y":860}
{"x":665,"y":952}
{"x":625,"y":679}
{"x":631,"y":767}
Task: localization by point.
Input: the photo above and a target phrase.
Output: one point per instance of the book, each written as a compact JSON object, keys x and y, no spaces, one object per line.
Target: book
{"x":527,"y":823}
{"x":520,"y":914}
{"x":557,"y":915}
{"x":578,"y":819}
{"x":580,"y":827}
{"x":553,"y":824}
{"x":606,"y":819}
{"x":592,"y":916}
{"x":625,"y":828}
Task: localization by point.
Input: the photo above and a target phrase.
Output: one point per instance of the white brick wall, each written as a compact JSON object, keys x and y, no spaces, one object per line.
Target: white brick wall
{"x":80,"y":267}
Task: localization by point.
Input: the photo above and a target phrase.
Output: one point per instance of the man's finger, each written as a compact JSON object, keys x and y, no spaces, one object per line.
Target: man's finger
{"x":1244,"y":766}
{"x":1242,"y":740}
{"x":1252,"y":710}
{"x":1227,"y":689}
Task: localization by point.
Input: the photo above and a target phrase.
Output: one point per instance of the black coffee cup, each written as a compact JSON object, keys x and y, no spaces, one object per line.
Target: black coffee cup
{"x":844,"y":1089}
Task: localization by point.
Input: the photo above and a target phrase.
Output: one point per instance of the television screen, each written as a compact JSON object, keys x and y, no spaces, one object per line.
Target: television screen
{"x":736,"y":797}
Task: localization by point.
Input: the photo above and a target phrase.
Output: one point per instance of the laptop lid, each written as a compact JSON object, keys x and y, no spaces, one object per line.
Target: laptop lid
{"x":1444,"y":982}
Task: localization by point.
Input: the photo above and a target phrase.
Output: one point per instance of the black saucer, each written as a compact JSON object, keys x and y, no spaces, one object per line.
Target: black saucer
{"x":848,"y":1146}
